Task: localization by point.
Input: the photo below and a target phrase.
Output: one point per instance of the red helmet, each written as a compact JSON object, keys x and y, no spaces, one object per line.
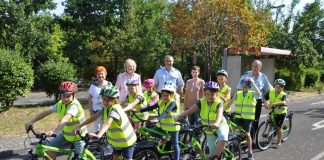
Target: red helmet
{"x":148,"y":83}
{"x":68,"y":87}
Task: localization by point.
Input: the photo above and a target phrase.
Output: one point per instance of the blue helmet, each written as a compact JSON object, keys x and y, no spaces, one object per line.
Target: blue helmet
{"x":246,"y":82}
{"x":210,"y":85}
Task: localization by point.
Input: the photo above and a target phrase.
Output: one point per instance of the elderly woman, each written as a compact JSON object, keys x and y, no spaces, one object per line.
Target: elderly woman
{"x":129,"y":74}
{"x":95,"y":102}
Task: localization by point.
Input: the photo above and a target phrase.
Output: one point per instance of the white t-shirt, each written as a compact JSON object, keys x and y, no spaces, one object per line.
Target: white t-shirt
{"x":73,"y":110}
{"x":94,"y":92}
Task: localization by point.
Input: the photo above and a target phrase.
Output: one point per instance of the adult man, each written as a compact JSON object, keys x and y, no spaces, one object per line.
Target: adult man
{"x":168,"y":74}
{"x":262,"y":84}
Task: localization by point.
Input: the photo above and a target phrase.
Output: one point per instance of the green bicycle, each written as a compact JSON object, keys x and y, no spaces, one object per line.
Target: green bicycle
{"x":41,"y":148}
{"x":153,"y":148}
{"x":267,"y":130}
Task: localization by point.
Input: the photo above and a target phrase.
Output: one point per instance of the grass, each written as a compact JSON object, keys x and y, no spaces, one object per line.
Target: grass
{"x":13,"y":121}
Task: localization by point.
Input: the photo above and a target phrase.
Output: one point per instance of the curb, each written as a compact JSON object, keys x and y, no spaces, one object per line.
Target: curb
{"x":306,"y":97}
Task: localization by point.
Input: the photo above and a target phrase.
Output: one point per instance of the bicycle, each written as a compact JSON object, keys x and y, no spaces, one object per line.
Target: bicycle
{"x":41,"y":148}
{"x":152,"y":148}
{"x":267,"y":130}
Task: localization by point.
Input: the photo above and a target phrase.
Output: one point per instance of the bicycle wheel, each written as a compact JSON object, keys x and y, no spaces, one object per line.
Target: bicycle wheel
{"x":146,"y":154}
{"x":286,"y":127}
{"x":232,"y":151}
{"x":187,"y":148}
{"x":264,"y":135}
{"x":97,"y":151}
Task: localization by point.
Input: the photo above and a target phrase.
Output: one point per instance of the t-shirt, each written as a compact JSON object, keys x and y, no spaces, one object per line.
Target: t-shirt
{"x":267,"y":97}
{"x":114,"y":115}
{"x":73,"y":110}
{"x":94,"y":92}
{"x":193,"y":91}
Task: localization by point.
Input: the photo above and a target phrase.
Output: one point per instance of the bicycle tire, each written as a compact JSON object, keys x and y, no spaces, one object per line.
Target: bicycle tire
{"x":232,"y":151}
{"x":286,"y":126}
{"x":264,"y":135}
{"x":97,"y":151}
{"x":188,"y":151}
{"x":146,"y":154}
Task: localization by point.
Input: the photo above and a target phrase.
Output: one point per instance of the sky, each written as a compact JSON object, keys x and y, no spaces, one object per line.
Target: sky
{"x":60,"y":9}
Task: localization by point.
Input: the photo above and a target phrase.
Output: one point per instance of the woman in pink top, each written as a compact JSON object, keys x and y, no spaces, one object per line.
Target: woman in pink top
{"x":130,"y":68}
{"x":194,"y":91}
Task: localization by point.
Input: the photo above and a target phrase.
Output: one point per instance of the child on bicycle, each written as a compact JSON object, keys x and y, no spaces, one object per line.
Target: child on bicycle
{"x":167,"y":110}
{"x":150,"y":96}
{"x":245,"y":107}
{"x":116,"y":125}
{"x":70,"y":113}
{"x":225,"y":90}
{"x":276,"y":99}
{"x":135,"y":99}
{"x":211,"y":113}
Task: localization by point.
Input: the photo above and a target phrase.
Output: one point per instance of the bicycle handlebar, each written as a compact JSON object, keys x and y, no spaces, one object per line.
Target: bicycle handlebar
{"x":41,"y":136}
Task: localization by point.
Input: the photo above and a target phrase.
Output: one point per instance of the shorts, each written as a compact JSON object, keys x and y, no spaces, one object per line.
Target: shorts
{"x":244,"y":123}
{"x":126,"y":152}
{"x":279,"y":119}
{"x":59,"y":141}
{"x":222,"y":133}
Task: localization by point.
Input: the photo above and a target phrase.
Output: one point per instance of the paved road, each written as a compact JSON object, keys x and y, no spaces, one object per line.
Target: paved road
{"x":306,"y":140}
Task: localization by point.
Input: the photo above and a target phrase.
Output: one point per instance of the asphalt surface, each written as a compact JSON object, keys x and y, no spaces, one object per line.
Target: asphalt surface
{"x":306,"y":140}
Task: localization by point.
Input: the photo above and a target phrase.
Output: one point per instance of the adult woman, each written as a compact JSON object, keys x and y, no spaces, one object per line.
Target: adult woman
{"x":130,"y":68}
{"x":194,"y":91}
{"x":95,"y":102}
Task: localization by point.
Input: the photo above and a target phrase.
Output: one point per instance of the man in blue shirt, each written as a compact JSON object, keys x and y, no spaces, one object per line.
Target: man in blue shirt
{"x":168,"y":74}
{"x":263,"y":85}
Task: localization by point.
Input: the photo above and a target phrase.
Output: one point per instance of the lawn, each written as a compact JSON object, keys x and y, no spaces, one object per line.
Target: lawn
{"x":13,"y":121}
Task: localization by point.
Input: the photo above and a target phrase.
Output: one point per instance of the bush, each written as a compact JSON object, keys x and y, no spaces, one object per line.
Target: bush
{"x":16,"y":77}
{"x":294,"y":79}
{"x":322,"y":75}
{"x":285,"y":75}
{"x":312,"y":76}
{"x":51,"y":74}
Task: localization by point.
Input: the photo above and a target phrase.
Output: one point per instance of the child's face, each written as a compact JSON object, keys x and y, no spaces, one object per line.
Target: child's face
{"x":221,"y":79}
{"x":166,"y":96}
{"x":107,"y":102}
{"x":149,"y":89}
{"x":67,"y":98}
{"x":245,"y":88}
{"x":131,"y":89}
{"x":278,"y":88}
{"x":210,"y":95}
{"x":194,"y":73}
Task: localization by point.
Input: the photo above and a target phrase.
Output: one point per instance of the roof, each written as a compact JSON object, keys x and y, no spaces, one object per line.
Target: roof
{"x":259,"y":51}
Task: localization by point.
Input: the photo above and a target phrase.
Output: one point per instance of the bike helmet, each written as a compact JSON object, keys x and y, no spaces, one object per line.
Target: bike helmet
{"x":281,"y":82}
{"x":169,"y":86}
{"x":68,"y":87}
{"x":132,"y":82}
{"x":210,"y":85}
{"x":222,"y":72}
{"x":109,"y":91}
{"x":246,"y":82}
{"x":148,"y":83}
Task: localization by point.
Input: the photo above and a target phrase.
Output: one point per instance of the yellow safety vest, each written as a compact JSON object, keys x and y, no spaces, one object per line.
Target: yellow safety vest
{"x":245,"y":105}
{"x":273,"y":99}
{"x":149,"y":99}
{"x":168,"y":122}
{"x":141,"y":115}
{"x":120,"y":133}
{"x":69,"y":126}
{"x":208,"y":114}
{"x":176,"y":97}
{"x":223,"y":93}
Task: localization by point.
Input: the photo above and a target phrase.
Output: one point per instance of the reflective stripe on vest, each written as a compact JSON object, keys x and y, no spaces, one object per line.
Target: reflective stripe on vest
{"x":223,"y":93}
{"x":168,"y":123}
{"x":245,"y":105}
{"x":120,"y":133}
{"x":273,"y":99}
{"x":69,"y":126}
{"x":208,"y":113}
{"x":141,"y":115}
{"x":149,"y":99}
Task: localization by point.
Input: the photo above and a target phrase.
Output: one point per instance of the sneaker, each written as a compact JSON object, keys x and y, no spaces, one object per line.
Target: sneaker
{"x":250,"y":156}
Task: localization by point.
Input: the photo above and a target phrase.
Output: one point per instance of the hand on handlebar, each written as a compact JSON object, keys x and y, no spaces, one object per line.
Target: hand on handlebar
{"x":76,"y":130}
{"x":93,"y":136}
{"x":134,"y":110}
{"x":50,"y":134}
{"x":152,"y":121}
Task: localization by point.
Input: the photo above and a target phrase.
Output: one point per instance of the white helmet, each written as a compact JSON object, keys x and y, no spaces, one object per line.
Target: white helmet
{"x":169,"y":86}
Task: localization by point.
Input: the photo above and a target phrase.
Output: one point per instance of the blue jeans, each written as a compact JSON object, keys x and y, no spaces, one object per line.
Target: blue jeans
{"x":126,"y":152}
{"x":174,"y":139}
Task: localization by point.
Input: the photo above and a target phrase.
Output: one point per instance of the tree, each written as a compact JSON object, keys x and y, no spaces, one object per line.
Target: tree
{"x":206,"y":27}
{"x":16,"y":77}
